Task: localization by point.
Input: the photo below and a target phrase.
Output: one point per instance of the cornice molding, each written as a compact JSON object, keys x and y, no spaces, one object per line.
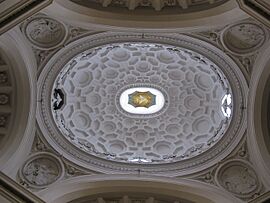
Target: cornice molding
{"x":258,"y":9}
{"x":16,"y":193}
{"x":15,"y":12}
{"x":262,"y":199}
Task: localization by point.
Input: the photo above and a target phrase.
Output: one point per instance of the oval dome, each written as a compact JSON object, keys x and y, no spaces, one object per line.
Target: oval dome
{"x":196,"y":87}
{"x":141,"y":102}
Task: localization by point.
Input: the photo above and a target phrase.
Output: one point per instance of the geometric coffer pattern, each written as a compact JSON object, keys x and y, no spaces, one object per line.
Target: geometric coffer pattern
{"x":85,"y":102}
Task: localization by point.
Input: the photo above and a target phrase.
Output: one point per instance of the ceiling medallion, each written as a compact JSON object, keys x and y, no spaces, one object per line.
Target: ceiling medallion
{"x":45,"y":32}
{"x":244,"y":37}
{"x":196,"y":118}
{"x":141,"y":100}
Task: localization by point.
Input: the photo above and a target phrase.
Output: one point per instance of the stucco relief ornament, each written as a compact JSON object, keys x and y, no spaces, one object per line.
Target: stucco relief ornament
{"x":244,"y":37}
{"x":4,"y":120}
{"x":3,"y":77}
{"x":4,"y":99}
{"x":41,"y":170}
{"x":239,"y":178}
{"x":45,"y":32}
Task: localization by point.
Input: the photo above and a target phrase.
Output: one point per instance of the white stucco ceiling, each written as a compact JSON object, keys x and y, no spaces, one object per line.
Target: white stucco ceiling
{"x":92,"y":118}
{"x":81,"y":114}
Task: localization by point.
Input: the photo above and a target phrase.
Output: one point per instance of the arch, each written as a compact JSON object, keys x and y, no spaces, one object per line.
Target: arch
{"x":77,"y":187}
{"x":258,"y":132}
{"x":90,"y":18}
{"x":23,"y":67}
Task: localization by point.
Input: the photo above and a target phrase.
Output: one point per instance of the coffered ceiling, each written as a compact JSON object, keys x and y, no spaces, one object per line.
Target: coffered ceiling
{"x":137,"y":101}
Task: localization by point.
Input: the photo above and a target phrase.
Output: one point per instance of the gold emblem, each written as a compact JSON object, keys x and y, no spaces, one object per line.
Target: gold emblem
{"x":142,"y":99}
